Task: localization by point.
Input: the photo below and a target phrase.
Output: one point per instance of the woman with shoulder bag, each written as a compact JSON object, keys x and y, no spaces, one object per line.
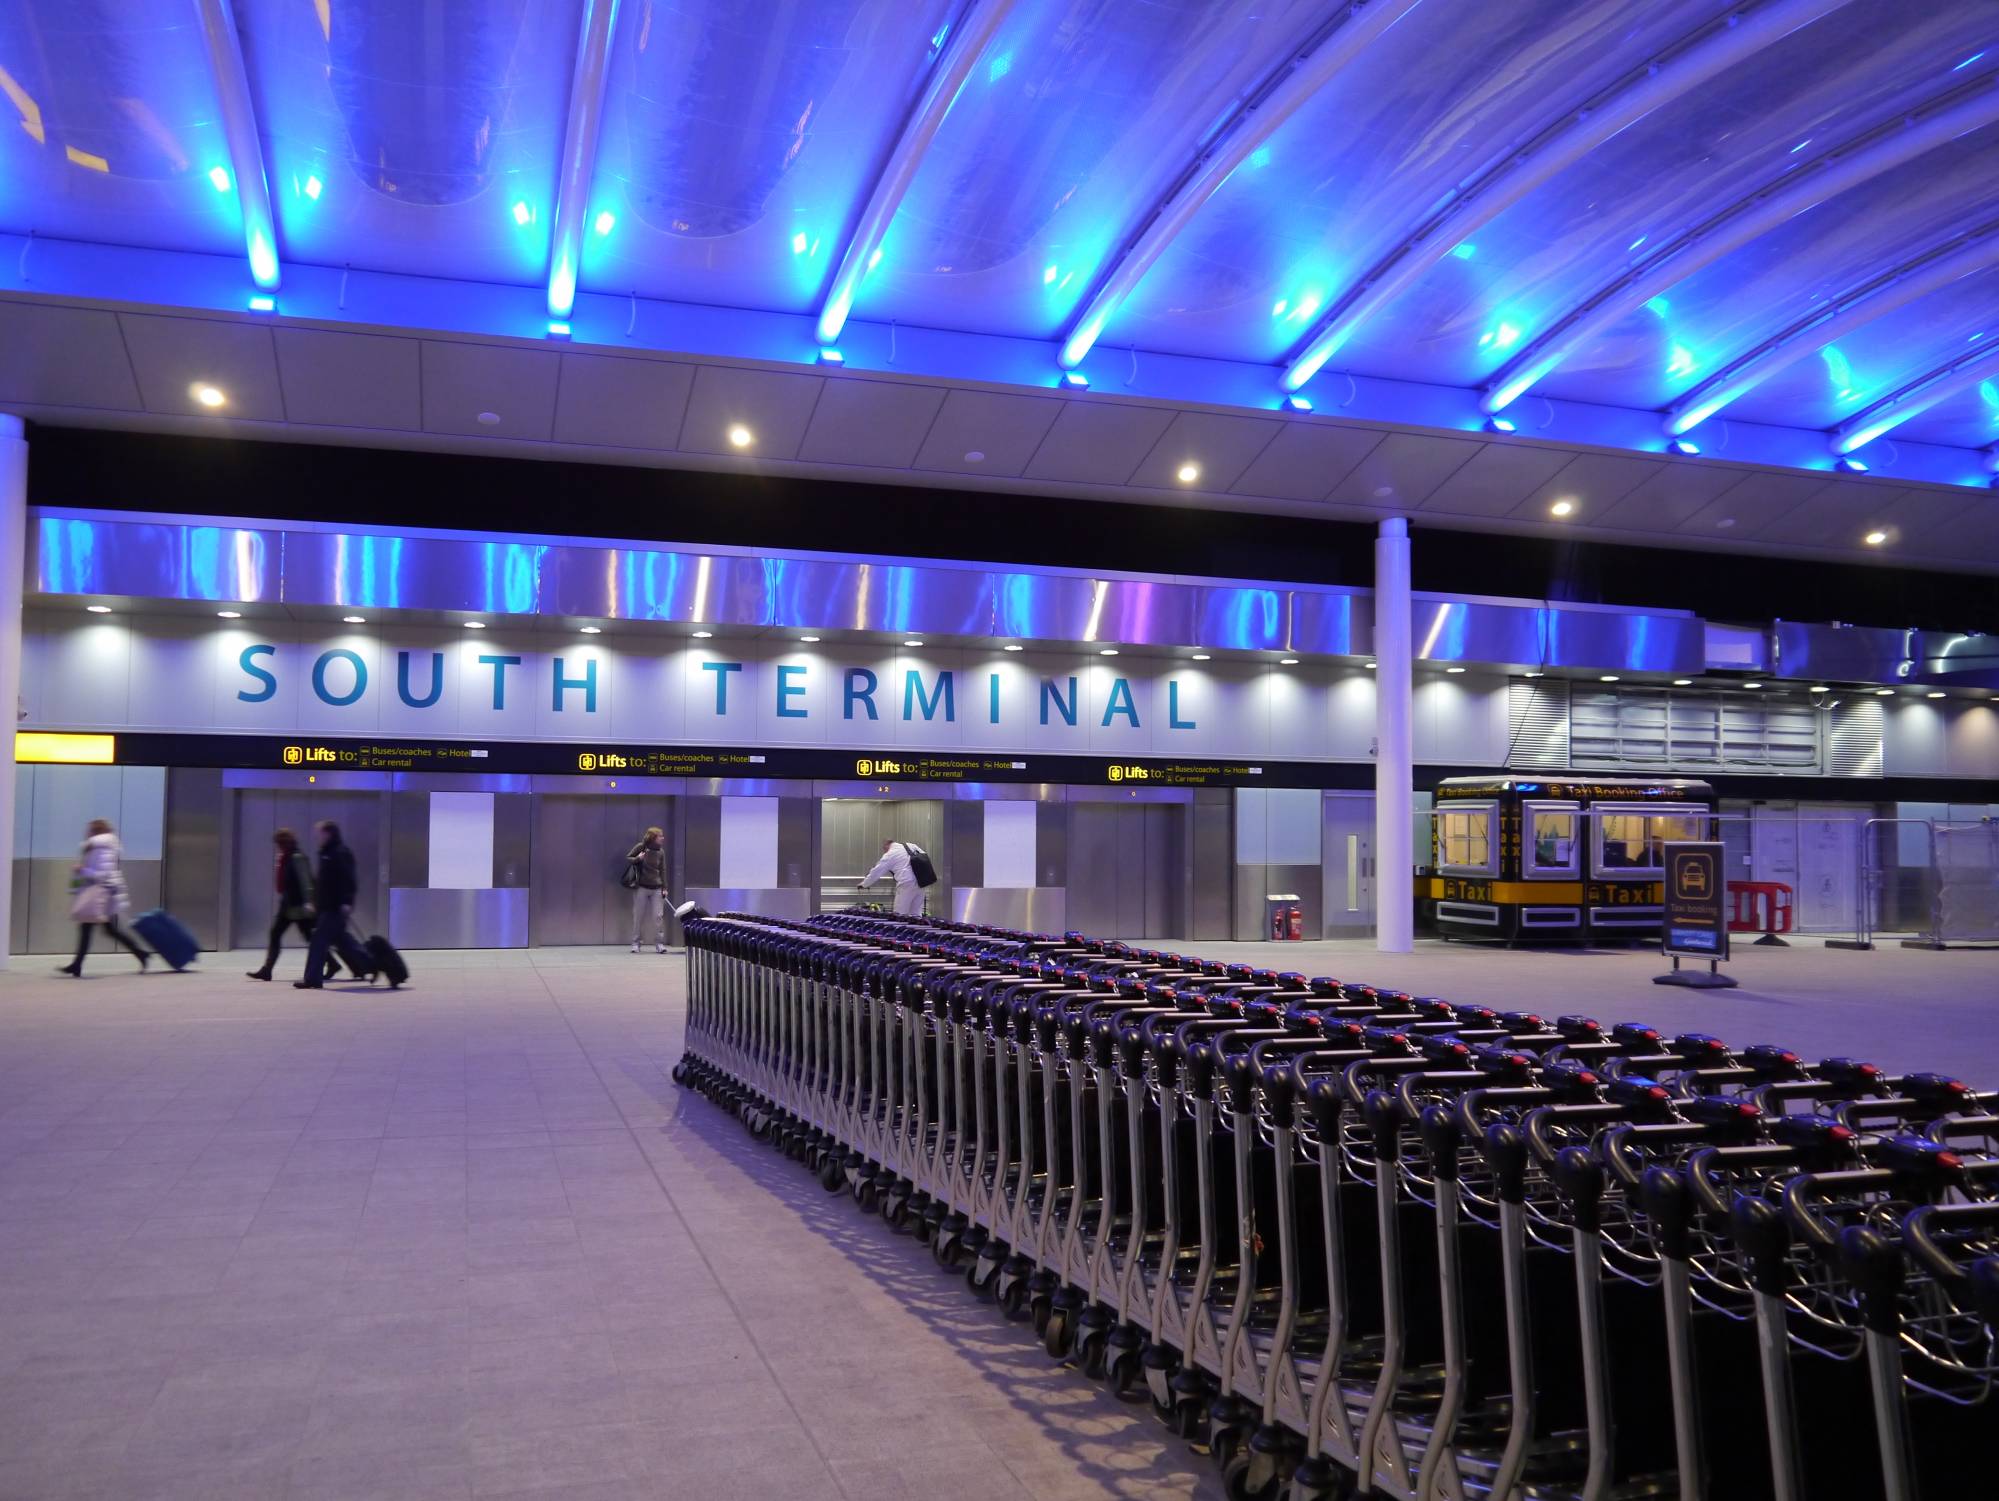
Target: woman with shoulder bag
{"x":292,"y":875}
{"x":101,"y":898}
{"x":645,"y":878}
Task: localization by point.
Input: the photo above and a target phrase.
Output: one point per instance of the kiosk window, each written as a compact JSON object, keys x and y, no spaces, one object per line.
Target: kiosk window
{"x":1464,"y":839}
{"x":1634,"y":842}
{"x":1552,"y":847}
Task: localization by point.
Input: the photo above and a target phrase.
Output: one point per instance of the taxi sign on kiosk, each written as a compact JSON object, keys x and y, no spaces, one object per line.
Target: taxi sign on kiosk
{"x":1696,"y":926}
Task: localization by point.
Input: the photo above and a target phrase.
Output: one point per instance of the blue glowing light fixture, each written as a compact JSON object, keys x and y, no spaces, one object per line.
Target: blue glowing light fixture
{"x":579,"y":155}
{"x":263,"y":302}
{"x":1848,"y":464}
{"x":1496,"y":424}
{"x":224,"y":47}
{"x":557,"y":329}
{"x":1296,"y":403}
{"x":831,"y":357}
{"x":1075,"y":380}
{"x":1682,"y":446}
{"x":1962,"y":374}
{"x":962,"y":50}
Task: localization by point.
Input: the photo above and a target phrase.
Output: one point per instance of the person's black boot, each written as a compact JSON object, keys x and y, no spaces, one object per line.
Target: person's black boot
{"x":256,"y":974}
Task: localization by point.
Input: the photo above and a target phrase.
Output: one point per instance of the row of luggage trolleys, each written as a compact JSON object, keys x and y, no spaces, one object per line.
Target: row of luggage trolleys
{"x":1355,"y":1242}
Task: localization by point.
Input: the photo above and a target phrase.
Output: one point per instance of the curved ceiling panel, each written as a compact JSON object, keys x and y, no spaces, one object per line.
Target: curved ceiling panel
{"x":1687,"y":334}
{"x":1008,"y":228}
{"x":1967,"y":420}
{"x":108,"y":126}
{"x":1445,"y":92}
{"x":419,"y":138}
{"x":1774,"y":115}
{"x":1835,"y":380}
{"x":741,"y":138}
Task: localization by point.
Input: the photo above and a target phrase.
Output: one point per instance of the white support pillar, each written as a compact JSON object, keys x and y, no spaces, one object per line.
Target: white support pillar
{"x":1394,"y":880}
{"x":13,"y":579}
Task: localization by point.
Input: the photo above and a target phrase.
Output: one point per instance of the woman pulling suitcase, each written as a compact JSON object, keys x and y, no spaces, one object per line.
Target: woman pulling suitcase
{"x":101,"y":898}
{"x":292,"y":876}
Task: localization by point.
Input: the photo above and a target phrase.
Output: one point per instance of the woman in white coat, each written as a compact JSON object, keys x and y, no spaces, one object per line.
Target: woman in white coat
{"x":101,"y":897}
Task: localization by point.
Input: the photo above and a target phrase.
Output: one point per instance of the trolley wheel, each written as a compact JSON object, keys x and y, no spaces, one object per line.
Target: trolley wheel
{"x":1319,"y":1479}
{"x":1125,"y":1375}
{"x":679,"y":1072}
{"x":867,"y":1195}
{"x":982,"y":1275}
{"x":1248,"y":1478}
{"x":949,"y":1251}
{"x":1011,"y":1295}
{"x":1229,"y":1426}
{"x":1058,"y":1333}
{"x":832,"y":1174}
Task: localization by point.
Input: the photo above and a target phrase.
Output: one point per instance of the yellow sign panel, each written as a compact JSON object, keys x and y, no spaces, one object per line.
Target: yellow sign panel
{"x":51,"y":748}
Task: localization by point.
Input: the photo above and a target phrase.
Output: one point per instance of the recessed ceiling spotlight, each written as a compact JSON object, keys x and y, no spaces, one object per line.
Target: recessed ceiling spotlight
{"x":1752,"y":685}
{"x":975,"y":456}
{"x":1875,"y":538}
{"x":98,"y":609}
{"x":808,"y":638}
{"x":1187,"y":473}
{"x":1819,"y":688}
{"x":1610,"y":677}
{"x":475,"y":625}
{"x":1884,"y":692}
{"x":489,"y":419}
{"x":1108,"y":651}
{"x":740,"y":436}
{"x":1010,"y":646}
{"x":229,"y":614}
{"x":1454,"y":669}
{"x":1683,"y":682}
{"x":1562,"y":508}
{"x":1934,"y":693}
{"x":1201,"y":656}
{"x":704,"y":635}
{"x":1382,"y":492}
{"x":1287,"y":661}
{"x":1726,"y":522}
{"x":1371,"y":666}
{"x":592,"y":630}
{"x":209,"y":396}
{"x":353,"y":619}
{"x":912,"y":641}
{"x":1524,"y":674}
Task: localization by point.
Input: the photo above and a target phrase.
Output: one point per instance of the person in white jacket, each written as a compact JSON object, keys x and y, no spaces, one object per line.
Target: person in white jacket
{"x":895,"y":862}
{"x":100,"y":895}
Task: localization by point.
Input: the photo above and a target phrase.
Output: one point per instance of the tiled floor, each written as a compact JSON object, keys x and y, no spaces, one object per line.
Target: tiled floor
{"x":469,"y":1240}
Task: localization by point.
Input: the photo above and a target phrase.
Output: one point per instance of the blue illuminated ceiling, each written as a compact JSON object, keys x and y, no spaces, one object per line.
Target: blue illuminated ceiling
{"x":1770,"y":226}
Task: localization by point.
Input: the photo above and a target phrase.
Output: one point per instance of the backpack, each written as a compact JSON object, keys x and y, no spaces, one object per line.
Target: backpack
{"x":919,"y":865}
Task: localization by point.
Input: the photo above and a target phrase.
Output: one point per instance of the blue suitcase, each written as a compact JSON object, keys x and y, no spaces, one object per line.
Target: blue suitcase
{"x":165,"y":936}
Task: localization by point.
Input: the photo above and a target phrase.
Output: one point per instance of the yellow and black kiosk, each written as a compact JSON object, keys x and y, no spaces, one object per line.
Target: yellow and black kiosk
{"x":1528,"y":859}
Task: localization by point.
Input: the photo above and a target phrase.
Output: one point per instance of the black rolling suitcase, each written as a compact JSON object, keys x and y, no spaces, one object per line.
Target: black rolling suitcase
{"x":385,"y":962}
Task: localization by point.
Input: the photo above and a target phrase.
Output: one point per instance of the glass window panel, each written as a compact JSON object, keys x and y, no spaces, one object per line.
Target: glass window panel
{"x":1553,"y":845}
{"x":1465,"y":838}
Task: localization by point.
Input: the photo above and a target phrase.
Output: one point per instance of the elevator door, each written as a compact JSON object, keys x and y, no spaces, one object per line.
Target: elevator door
{"x":1127,"y":869}
{"x":260,"y":811}
{"x":851,"y":831}
{"x":577,"y":858}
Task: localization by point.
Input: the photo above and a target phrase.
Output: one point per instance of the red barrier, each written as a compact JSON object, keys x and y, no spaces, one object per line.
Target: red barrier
{"x":1760,"y":907}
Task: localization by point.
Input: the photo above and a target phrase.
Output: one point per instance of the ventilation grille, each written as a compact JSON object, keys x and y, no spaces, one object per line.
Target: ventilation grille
{"x":1853,"y":741}
{"x":1652,"y":729}
{"x":1538,"y":725}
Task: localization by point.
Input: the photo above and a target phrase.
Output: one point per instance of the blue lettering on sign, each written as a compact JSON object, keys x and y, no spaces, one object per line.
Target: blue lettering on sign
{"x":270,"y":688}
{"x":856,"y":694}
{"x":588,"y":683}
{"x":499,"y":666}
{"x":1120,"y":703}
{"x":1051,"y":694}
{"x":1173,"y":719}
{"x":912,"y":693}
{"x":403,"y":679}
{"x":319,"y":677}
{"x":721,"y":671}
{"x":788,"y":689}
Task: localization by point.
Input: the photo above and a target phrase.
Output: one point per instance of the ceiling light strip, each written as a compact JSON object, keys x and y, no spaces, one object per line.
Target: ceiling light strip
{"x":579,"y":153}
{"x":239,"y":133}
{"x":1879,"y":151}
{"x":1286,"y":89}
{"x":1881,"y":295}
{"x":1472,"y":205}
{"x":968,"y":40}
{"x":1917,"y":397}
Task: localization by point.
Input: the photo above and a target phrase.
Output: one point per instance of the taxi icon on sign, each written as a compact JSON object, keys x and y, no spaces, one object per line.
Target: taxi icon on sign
{"x":1693,"y":880}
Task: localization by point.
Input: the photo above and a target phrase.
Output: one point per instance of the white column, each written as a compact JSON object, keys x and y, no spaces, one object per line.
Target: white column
{"x":1394,"y":884}
{"x":13,"y":578}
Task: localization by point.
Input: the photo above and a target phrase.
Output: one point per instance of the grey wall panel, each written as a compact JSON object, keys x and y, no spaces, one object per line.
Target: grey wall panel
{"x":567,"y":901}
{"x":409,"y":839}
{"x":197,"y":859}
{"x":797,"y":840}
{"x":966,"y":822}
{"x":1051,"y":844}
{"x":703,"y":817}
{"x":493,"y":918}
{"x":1094,"y":874}
{"x":17,"y":922}
{"x":513,"y":838}
{"x":1211,"y":866}
{"x":1255,"y":883}
{"x":1032,"y":909}
{"x":792,"y":902}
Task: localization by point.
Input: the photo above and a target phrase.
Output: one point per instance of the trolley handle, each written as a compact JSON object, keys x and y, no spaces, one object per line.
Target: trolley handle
{"x":1921,"y":1167}
{"x":1442,"y":1140}
{"x":1922,"y":1232}
{"x":1667,"y":1200}
{"x":1358,"y":1076}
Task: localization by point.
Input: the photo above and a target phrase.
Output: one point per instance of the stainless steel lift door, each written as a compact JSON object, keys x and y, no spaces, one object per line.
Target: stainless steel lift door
{"x":261,"y":811}
{"x":578,"y":855}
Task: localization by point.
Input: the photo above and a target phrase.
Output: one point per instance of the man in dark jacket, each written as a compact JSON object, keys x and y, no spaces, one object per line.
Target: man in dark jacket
{"x":336,"y":888}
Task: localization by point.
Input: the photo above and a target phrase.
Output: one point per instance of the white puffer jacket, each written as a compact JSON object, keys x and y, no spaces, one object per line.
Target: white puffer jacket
{"x":103,"y":896}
